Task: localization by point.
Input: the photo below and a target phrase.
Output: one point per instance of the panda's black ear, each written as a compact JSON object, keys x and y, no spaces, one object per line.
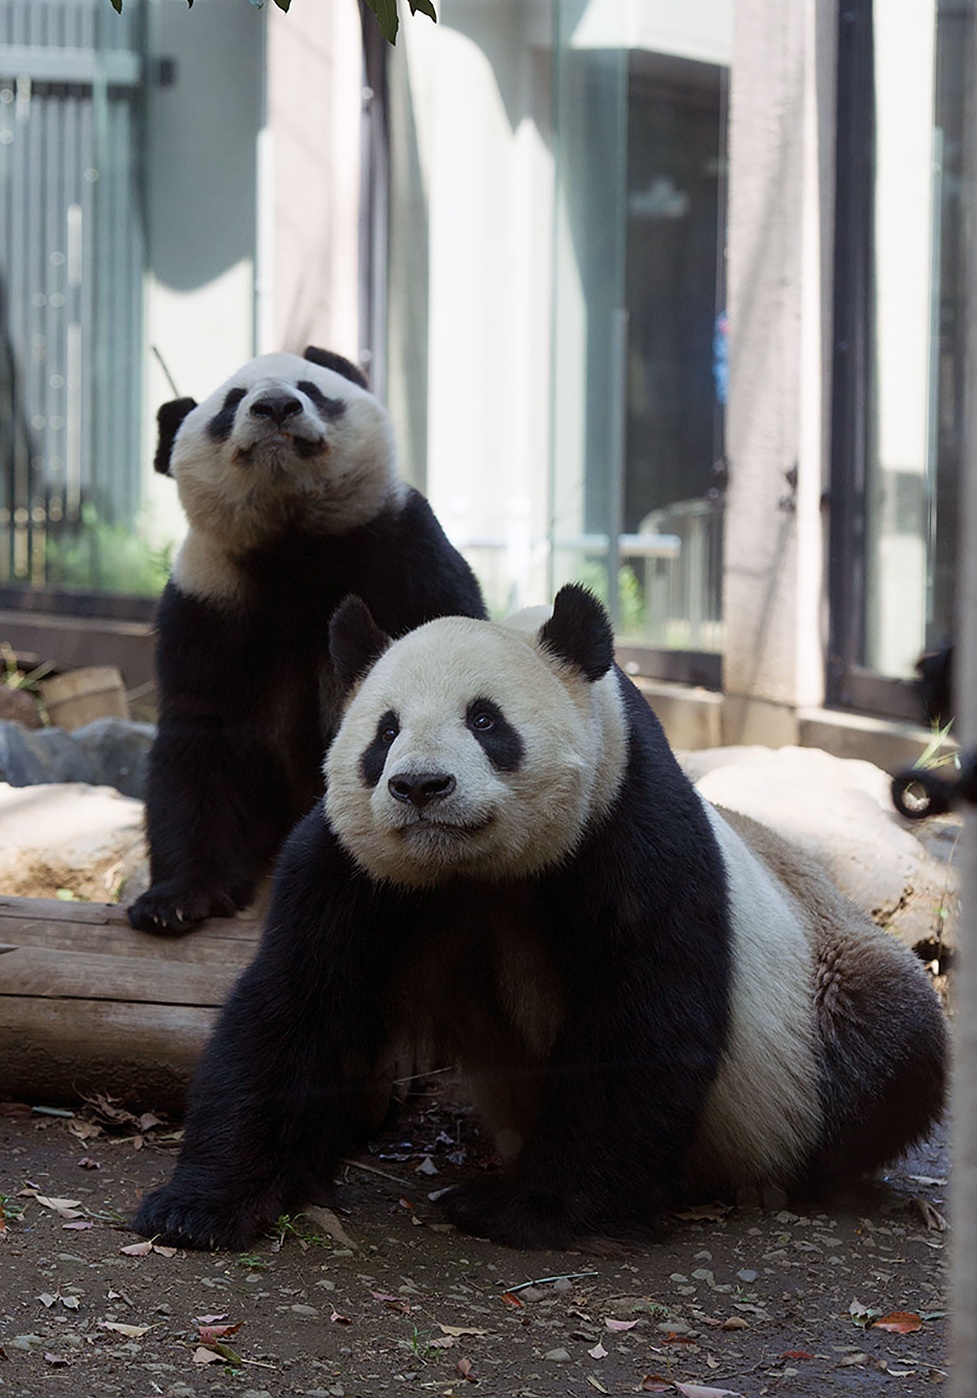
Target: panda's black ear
{"x":326,"y":359}
{"x":579,"y":632}
{"x":169,"y":418}
{"x":355,"y":640}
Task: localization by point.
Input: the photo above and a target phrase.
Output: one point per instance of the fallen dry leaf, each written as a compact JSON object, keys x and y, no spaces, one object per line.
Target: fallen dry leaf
{"x":137,"y":1249}
{"x":598,"y":1351}
{"x":617,"y":1325}
{"x":209,"y":1319}
{"x":210,"y":1333}
{"x":797,"y":1354}
{"x":735,"y":1322}
{"x":131,"y":1332}
{"x":464,"y":1368}
{"x":65,"y":1208}
{"x":330,"y":1225}
{"x":207,"y":1356}
{"x":596,"y":1383}
{"x":87,"y":1163}
{"x":509,"y":1298}
{"x":899,"y":1323}
{"x":338,"y":1319}
{"x":57,"y":1361}
{"x":77,"y":1227}
{"x":442,"y":1342}
{"x":460,"y":1330}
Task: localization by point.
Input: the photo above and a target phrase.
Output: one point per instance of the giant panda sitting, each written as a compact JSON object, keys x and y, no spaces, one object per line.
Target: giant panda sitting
{"x":649,"y":999}
{"x":286,"y":474}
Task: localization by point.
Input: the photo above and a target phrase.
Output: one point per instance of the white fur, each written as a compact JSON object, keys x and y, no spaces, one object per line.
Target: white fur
{"x":496,"y":825}
{"x":763,"y":1113}
{"x":240,"y":492}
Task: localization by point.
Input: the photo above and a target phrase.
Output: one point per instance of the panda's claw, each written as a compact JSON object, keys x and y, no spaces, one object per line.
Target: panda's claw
{"x":169,"y":1216}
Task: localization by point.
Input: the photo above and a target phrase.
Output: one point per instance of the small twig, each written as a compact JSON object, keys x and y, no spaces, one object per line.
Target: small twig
{"x":416,"y":1077}
{"x":372,"y":1170}
{"x":541,"y":1281}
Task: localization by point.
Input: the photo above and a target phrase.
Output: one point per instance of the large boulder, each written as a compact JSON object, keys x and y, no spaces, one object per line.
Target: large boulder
{"x":107,"y":752}
{"x":61,"y":840}
{"x":840,"y":811}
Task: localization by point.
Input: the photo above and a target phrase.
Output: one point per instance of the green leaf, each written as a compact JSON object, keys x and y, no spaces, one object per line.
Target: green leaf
{"x":283,"y":4}
{"x":425,"y":7}
{"x":386,"y":13}
{"x":117,"y":6}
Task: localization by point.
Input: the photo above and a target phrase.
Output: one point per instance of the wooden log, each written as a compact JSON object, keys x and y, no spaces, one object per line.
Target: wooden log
{"x":88,"y":1005}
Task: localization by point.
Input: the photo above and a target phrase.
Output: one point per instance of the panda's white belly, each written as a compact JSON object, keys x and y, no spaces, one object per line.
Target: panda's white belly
{"x":763,"y":1113}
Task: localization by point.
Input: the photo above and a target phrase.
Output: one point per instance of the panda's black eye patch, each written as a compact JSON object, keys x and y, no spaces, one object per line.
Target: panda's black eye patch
{"x":374,"y":756}
{"x":489,"y":726}
{"x":220,"y":426}
{"x":330,"y":408}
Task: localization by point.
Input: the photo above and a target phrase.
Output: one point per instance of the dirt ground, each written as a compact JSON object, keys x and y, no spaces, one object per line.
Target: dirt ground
{"x":382,"y":1297}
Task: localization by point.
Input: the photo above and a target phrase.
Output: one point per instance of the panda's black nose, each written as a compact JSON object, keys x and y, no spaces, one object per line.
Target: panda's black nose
{"x":277,"y":407}
{"x":421,"y":788}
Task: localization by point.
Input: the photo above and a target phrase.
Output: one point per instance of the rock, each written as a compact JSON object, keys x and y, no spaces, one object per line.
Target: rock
{"x":839,"y":810}
{"x":86,"y":840}
{"x":107,"y":752}
{"x":18,"y":706}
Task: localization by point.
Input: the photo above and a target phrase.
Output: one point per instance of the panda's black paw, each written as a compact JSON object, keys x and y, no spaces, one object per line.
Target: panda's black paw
{"x":169,"y":909}
{"x":168,"y":1215}
{"x":515,"y":1216}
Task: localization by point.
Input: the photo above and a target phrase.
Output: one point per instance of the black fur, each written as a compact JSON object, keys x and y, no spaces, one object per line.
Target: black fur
{"x":168,"y":420}
{"x":579,"y":632}
{"x":249,"y":703}
{"x":328,"y":359}
{"x":355,"y":640}
{"x":635,"y":927}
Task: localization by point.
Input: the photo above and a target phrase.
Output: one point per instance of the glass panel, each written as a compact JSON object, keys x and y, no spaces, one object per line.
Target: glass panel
{"x":901,"y":449}
{"x":589,"y":315}
{"x":639,"y":335}
{"x":70,"y":294}
{"x":672,"y":549}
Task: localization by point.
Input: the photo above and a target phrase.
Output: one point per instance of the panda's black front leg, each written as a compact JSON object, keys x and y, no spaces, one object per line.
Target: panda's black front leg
{"x":282,"y":1088}
{"x":216,"y":812}
{"x":623,"y":1091}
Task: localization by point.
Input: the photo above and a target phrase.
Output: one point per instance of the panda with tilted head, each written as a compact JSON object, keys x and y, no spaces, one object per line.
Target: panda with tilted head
{"x":649,"y":1000}
{"x":286,"y":474}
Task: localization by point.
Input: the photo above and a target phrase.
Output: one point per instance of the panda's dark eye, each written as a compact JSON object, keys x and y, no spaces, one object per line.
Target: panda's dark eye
{"x":374,"y":758}
{"x":489,"y":726}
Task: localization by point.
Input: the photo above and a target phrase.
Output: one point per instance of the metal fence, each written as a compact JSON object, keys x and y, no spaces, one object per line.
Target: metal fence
{"x":71,"y":259}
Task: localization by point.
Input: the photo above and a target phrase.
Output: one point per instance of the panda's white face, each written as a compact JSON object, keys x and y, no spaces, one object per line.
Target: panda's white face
{"x":283,"y":440}
{"x":470,"y":752}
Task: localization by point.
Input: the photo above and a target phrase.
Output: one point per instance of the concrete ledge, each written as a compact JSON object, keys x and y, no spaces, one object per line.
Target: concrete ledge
{"x":890,"y":743}
{"x":691,"y":718}
{"x":699,"y":718}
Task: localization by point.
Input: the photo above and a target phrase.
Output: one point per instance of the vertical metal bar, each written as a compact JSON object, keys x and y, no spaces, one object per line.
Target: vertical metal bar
{"x":964,"y":1188}
{"x":616,"y":459}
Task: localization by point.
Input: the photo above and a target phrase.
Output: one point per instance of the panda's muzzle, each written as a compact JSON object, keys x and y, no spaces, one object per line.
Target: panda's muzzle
{"x":420,"y":789}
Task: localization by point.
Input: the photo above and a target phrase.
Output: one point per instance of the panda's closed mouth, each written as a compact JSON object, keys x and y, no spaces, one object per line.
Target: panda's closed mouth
{"x":424,"y":824}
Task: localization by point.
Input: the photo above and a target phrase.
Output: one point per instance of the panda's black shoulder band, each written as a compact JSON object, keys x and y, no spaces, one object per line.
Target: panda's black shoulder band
{"x":579,"y":632}
{"x":328,"y":359}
